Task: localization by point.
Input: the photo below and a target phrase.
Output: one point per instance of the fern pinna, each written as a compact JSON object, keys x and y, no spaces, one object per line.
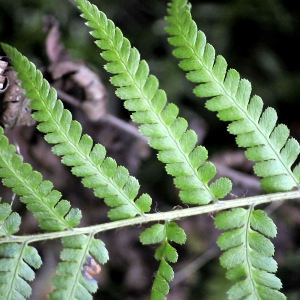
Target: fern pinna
{"x":78,"y":151}
{"x":53,"y":214}
{"x":159,"y":121}
{"x":247,"y":248}
{"x":165,"y":253}
{"x":269,"y":146}
{"x":71,"y":281}
{"x":248,"y":254}
{"x":16,"y":260}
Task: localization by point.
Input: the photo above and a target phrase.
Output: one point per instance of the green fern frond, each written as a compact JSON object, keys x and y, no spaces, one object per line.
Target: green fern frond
{"x":70,"y":281}
{"x":17,"y":261}
{"x":159,"y":121}
{"x":248,"y":254}
{"x":38,"y":195}
{"x":9,"y":221}
{"x":86,"y":160}
{"x":267,"y":144}
{"x":165,"y":253}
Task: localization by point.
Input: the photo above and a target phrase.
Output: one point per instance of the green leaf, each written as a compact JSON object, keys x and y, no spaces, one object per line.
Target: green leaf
{"x":236,"y":217}
{"x":167,"y":252}
{"x":268,"y":144}
{"x":74,"y":256}
{"x":248,"y":253}
{"x":86,"y":160}
{"x":160,"y":286}
{"x":153,"y":235}
{"x":262,"y":223}
{"x":168,"y":133}
{"x":38,"y":195}
{"x":175,"y":234}
{"x":9,"y":221}
{"x":15,"y":270}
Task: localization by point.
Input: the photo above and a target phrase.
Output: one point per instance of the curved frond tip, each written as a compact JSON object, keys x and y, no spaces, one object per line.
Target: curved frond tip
{"x":268,"y":144}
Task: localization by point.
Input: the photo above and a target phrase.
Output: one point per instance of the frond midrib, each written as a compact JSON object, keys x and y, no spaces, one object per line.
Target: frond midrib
{"x":16,"y":269}
{"x":78,"y":272}
{"x":247,"y":250}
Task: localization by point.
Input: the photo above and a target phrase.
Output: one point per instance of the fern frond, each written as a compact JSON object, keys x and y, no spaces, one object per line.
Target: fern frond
{"x":17,"y":261}
{"x":248,"y":254}
{"x":39,"y":196}
{"x":9,"y":221}
{"x":86,"y":160}
{"x":159,"y":121}
{"x":70,"y":282}
{"x":165,"y":253}
{"x":268,"y":145}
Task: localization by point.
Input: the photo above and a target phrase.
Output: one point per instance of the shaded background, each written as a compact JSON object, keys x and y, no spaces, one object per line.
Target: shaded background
{"x":258,"y":38}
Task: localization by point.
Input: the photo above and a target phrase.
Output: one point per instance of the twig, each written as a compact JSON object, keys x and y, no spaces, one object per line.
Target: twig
{"x":110,"y":119}
{"x":194,"y":265}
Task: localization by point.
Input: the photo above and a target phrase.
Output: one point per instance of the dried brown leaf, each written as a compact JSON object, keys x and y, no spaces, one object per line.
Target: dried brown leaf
{"x":77,"y":74}
{"x":4,"y":60}
{"x":54,"y":48}
{"x":16,"y":110}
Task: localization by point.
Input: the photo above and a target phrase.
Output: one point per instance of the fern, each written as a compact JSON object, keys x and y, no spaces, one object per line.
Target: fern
{"x":267,"y":145}
{"x":52,"y":213}
{"x":9,"y":221}
{"x":16,"y":260}
{"x":248,"y":254}
{"x":70,"y":281}
{"x":15,"y":270}
{"x":159,"y":121}
{"x":248,"y":251}
{"x":165,"y":253}
{"x":101,"y":173}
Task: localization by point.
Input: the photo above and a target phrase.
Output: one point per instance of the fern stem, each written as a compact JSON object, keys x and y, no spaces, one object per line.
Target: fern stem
{"x":157,"y":217}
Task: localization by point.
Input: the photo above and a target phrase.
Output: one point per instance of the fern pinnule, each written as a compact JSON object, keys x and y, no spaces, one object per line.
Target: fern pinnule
{"x":168,"y":133}
{"x":39,"y":196}
{"x":268,"y":145}
{"x":9,"y":221}
{"x":89,"y":161}
{"x":248,"y":254}
{"x":70,"y":281}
